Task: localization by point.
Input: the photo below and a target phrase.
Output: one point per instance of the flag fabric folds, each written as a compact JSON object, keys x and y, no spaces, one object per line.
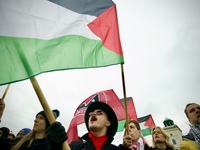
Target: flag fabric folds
{"x":132,"y":114}
{"x":131,"y":108}
{"x":42,"y":36}
{"x":107,"y":96}
{"x":146,"y":124}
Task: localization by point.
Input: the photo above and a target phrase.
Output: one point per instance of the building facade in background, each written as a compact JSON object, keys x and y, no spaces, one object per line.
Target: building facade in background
{"x":174,"y":132}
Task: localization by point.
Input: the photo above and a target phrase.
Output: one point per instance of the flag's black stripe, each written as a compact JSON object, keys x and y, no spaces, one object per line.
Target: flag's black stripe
{"x":90,"y":7}
{"x":143,"y":119}
{"x":127,"y":100}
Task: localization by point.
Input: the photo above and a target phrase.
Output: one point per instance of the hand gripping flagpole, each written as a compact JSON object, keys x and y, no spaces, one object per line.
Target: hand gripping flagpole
{"x":125,"y":101}
{"x":45,"y":106}
{"x":4,"y":94}
{"x":38,"y":91}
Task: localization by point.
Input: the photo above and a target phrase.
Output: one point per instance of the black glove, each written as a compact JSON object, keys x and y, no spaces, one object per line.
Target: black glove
{"x":56,"y":135}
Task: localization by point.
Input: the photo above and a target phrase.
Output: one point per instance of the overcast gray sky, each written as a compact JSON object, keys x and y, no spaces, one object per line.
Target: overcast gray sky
{"x":161,"y":45}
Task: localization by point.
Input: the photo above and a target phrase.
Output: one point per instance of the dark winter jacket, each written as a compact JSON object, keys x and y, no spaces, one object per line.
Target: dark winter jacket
{"x":159,"y":149}
{"x":37,"y":144}
{"x":4,"y":143}
{"x":88,"y":144}
{"x":146,"y":147}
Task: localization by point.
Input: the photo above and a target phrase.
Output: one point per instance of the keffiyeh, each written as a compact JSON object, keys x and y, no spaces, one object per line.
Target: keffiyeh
{"x":139,"y":145}
{"x":195,"y":129}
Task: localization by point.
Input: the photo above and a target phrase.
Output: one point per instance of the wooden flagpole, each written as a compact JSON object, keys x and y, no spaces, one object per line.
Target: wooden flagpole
{"x":46,"y":107}
{"x":38,"y":90}
{"x":125,"y":101}
{"x":4,"y":94}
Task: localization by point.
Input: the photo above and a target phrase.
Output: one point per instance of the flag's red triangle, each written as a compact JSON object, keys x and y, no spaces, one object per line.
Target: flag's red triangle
{"x":132,"y":114}
{"x":150,"y":122}
{"x":106,"y":27}
{"x":132,"y":110}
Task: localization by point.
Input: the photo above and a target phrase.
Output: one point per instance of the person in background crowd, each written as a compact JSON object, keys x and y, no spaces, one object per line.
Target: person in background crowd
{"x":101,"y":123}
{"x":4,"y":141}
{"x":23,"y":132}
{"x":19,"y":135}
{"x":161,"y":140}
{"x":134,"y":140}
{"x":11,"y":136}
{"x":4,"y":131}
{"x":191,"y":141}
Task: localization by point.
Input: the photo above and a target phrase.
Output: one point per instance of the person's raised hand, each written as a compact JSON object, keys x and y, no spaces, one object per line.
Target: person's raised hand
{"x":127,"y":141}
{"x":56,"y":134}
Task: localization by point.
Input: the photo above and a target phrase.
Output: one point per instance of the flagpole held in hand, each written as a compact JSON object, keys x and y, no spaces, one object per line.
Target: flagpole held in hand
{"x":4,"y":94}
{"x":38,"y":90}
{"x":46,"y":107}
{"x":125,"y":101}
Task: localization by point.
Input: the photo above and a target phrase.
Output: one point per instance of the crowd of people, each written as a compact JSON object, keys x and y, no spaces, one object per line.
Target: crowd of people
{"x":101,"y":123}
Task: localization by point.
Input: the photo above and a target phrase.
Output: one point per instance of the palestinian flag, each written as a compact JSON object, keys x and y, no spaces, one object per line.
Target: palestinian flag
{"x":131,"y":112}
{"x":39,"y":36}
{"x":146,"y":124}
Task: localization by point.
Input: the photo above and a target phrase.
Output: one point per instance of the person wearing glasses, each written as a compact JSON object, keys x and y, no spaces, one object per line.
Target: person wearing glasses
{"x":101,"y":123}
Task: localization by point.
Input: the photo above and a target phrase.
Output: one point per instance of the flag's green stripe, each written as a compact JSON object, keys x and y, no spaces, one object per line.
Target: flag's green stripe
{"x":146,"y":131}
{"x":67,"y":52}
{"x":121,"y":125}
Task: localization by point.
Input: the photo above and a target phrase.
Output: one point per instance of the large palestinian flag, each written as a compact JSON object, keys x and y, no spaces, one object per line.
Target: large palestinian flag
{"x":38,"y":36}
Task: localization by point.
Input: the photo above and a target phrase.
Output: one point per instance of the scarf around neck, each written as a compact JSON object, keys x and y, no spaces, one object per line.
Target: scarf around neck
{"x":98,"y":141}
{"x":139,"y":145}
{"x":195,"y":129}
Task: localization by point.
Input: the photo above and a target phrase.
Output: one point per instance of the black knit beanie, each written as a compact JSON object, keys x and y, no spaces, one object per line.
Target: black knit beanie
{"x":56,"y":114}
{"x":5,"y":131}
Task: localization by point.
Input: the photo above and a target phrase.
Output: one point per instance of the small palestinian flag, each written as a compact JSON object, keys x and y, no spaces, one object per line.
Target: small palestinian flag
{"x":146,"y":124}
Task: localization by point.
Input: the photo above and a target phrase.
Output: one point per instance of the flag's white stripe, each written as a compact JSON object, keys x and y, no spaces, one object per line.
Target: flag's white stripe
{"x":142,"y":125}
{"x":41,"y":19}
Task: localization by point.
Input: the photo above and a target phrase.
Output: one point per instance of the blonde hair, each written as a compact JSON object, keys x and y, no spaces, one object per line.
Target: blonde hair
{"x":167,"y":142}
{"x":29,"y":137}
